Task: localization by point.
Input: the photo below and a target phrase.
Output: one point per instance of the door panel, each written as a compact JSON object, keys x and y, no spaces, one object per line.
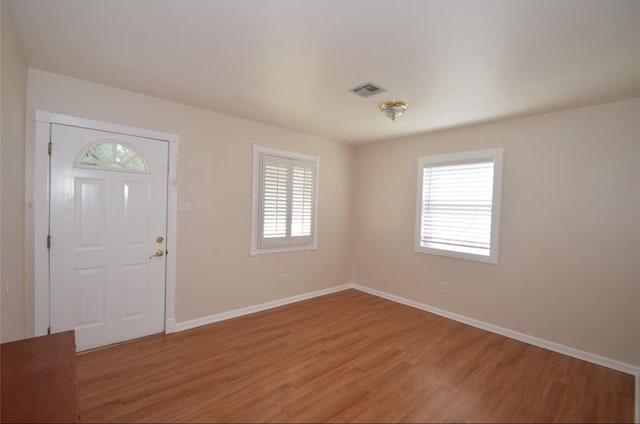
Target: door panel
{"x":136,"y":208}
{"x":91,"y":285}
{"x":90,"y":206}
{"x":136,"y":286}
{"x":106,"y":215}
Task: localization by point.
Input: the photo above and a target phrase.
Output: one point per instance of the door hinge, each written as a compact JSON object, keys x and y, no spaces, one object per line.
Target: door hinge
{"x":49,"y":148}
{"x":48,"y":242}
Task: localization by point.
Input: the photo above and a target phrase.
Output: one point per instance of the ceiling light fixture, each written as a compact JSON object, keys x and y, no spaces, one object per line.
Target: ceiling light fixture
{"x":393,"y":109}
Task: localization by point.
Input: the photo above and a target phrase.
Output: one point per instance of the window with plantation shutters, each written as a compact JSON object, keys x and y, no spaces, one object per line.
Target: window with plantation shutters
{"x":284,"y":206}
{"x":458,"y":206}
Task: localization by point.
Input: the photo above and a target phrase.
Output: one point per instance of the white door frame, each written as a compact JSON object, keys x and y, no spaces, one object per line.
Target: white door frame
{"x":41,"y":175}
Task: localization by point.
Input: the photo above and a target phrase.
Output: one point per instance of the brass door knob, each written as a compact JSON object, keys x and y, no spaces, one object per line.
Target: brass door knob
{"x":158,"y":253}
{"x":160,"y":239}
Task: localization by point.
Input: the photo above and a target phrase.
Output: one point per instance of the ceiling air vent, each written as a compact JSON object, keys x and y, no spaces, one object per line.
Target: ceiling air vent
{"x":367,"y":89}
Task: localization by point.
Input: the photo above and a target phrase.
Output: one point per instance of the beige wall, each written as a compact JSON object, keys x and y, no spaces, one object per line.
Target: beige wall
{"x":570,"y":232}
{"x":568,"y":264}
{"x":214,"y":270}
{"x":637,"y":121}
{"x":14,"y":77}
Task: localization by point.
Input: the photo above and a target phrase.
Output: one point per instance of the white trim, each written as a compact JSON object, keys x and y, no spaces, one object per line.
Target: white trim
{"x":172,"y":233}
{"x":40,"y":224}
{"x":255,"y":199}
{"x":39,"y":163}
{"x":532,"y":340}
{"x":30,"y":127}
{"x":284,"y":153}
{"x":169,"y":325}
{"x":496,"y":155}
{"x":316,"y":193}
{"x":282,"y":249}
{"x":637,"y":398}
{"x":210,"y":319}
{"x":72,"y":121}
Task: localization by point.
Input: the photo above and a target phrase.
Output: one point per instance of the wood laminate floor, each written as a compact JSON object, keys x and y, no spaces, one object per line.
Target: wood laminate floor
{"x":345,"y":357}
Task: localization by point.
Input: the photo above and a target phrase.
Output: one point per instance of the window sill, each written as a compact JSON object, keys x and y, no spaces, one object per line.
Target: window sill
{"x":492,"y":259}
{"x":281,"y":249}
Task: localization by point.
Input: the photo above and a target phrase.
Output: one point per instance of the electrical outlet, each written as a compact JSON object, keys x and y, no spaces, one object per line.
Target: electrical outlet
{"x":285,"y":278}
{"x":443,"y":287}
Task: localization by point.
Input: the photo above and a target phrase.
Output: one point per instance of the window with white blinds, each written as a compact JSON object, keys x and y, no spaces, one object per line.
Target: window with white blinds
{"x":458,"y":206}
{"x":285,"y":200}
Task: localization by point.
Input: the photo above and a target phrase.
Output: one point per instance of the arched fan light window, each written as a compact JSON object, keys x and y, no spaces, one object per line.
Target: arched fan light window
{"x":112,"y":156}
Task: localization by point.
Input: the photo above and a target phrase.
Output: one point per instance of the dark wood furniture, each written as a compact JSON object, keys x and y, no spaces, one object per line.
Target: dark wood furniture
{"x":39,"y":379}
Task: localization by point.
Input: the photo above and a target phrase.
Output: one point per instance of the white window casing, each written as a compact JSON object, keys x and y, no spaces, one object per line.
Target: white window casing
{"x":284,"y":207}
{"x":458,"y":205}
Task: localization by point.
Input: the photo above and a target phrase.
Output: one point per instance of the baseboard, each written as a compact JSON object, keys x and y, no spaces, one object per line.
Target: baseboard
{"x":536,"y":341}
{"x":210,"y":319}
{"x":637,"y":403}
{"x":169,"y":326}
{"x":172,"y":326}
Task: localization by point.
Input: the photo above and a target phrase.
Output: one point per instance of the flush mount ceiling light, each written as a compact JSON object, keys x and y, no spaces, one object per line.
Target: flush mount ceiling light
{"x":393,"y":109}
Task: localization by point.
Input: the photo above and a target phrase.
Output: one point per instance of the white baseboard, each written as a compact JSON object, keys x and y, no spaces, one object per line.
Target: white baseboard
{"x":535,"y":341}
{"x":172,"y":326}
{"x":532,"y":340}
{"x":169,"y":326}
{"x":637,"y":403}
{"x":186,"y":325}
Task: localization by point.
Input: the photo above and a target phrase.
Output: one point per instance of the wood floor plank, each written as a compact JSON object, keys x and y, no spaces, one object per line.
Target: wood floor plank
{"x":344,"y":357}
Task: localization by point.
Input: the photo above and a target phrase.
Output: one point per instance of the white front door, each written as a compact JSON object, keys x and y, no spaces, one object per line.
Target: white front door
{"x":108,"y":221}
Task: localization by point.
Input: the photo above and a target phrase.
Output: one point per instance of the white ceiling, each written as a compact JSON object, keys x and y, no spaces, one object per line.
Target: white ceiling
{"x":291,"y":63}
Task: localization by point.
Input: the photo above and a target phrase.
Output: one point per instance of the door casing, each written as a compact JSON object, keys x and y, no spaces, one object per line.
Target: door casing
{"x":37,"y":222}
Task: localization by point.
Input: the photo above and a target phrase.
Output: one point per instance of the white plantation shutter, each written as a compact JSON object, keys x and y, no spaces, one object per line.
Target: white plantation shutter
{"x":301,"y":199}
{"x":275,"y":199}
{"x":458,"y":209}
{"x":285,"y":201}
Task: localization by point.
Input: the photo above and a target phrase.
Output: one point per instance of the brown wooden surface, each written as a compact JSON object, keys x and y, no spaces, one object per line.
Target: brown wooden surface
{"x":39,"y":379}
{"x":345,"y":357}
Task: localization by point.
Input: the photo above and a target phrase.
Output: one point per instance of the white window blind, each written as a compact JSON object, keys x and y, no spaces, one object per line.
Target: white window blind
{"x":285,"y":201}
{"x":458,"y":209}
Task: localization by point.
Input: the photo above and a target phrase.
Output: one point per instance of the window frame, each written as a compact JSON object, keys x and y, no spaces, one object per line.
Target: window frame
{"x":257,"y":205}
{"x":488,"y":155}
{"x":122,"y":167}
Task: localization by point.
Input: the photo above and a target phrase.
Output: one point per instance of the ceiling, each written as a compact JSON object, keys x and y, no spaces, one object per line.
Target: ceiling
{"x":292,"y":63}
